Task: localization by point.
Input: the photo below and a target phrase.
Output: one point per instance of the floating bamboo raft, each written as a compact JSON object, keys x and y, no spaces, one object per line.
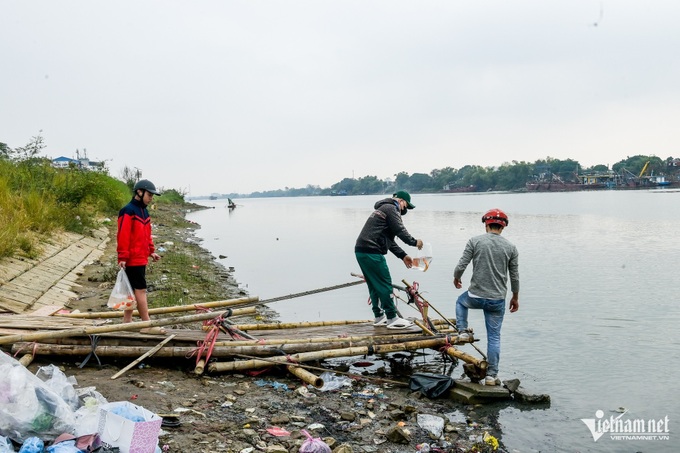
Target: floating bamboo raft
{"x":221,"y":344}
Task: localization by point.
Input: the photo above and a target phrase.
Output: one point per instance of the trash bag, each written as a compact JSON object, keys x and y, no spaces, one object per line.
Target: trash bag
{"x":55,"y":379}
{"x":28,"y":407}
{"x":87,"y":417}
{"x":6,"y":445}
{"x":122,"y":296}
{"x":333,"y":382}
{"x":313,"y":444}
{"x":430,"y":385}
{"x":32,"y":445}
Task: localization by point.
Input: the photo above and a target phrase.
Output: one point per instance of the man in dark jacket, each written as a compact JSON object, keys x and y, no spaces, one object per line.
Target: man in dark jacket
{"x":375,"y":239}
{"x":135,"y":246}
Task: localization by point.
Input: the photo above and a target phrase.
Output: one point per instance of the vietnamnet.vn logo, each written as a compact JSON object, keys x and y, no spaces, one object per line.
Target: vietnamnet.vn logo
{"x":627,"y":429}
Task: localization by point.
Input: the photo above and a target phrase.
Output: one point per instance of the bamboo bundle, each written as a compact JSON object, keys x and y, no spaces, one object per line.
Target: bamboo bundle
{"x":218,"y":351}
{"x":79,"y":331}
{"x":163,"y":310}
{"x":319,"y":355}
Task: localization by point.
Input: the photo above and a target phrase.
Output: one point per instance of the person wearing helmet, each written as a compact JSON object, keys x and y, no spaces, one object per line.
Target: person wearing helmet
{"x":376,"y":237}
{"x":135,"y":246}
{"x":494,"y":259}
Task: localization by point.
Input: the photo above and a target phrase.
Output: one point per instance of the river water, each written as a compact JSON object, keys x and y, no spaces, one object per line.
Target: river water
{"x":597,"y":328}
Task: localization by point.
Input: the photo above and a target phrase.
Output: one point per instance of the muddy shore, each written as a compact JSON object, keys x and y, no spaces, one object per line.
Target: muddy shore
{"x":264,"y":412}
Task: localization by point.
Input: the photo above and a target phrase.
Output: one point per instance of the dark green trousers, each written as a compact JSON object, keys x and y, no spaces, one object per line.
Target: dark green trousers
{"x":379,"y":282}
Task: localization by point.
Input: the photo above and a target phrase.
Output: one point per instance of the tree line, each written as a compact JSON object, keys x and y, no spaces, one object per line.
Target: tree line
{"x":512,"y":176}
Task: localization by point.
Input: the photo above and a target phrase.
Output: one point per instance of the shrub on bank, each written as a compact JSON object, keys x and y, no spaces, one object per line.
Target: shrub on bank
{"x":37,"y":199}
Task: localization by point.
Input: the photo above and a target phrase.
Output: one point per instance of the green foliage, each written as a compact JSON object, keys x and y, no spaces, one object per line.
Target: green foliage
{"x":37,"y":199}
{"x":635,"y":165}
{"x":507,"y":177}
{"x":170,"y":196}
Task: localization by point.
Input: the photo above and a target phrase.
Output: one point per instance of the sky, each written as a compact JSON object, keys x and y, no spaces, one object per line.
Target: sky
{"x":243,"y":96}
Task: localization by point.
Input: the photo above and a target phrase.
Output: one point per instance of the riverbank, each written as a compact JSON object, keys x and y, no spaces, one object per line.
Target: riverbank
{"x":236,"y":413}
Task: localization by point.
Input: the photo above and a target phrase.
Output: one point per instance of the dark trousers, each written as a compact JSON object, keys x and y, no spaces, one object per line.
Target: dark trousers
{"x":379,"y":282}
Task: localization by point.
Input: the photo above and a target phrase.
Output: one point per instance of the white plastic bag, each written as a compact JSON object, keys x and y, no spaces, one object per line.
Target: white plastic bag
{"x":122,"y":296}
{"x":28,"y":407}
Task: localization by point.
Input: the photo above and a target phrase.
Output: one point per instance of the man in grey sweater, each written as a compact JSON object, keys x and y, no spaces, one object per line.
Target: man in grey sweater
{"x":494,"y":258}
{"x":376,"y":237}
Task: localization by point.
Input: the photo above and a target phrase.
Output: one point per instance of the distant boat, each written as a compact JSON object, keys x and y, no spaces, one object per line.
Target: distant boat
{"x":231,"y":204}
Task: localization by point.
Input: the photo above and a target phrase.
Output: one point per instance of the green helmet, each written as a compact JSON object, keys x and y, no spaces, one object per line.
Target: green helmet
{"x":145,"y":184}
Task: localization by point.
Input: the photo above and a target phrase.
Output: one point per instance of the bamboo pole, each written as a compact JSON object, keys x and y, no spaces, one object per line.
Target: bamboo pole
{"x":318,"y":355}
{"x":279,"y":341}
{"x":149,"y":353}
{"x":453,"y":352}
{"x":163,"y":310}
{"x":403,"y":280}
{"x":79,"y":331}
{"x":423,"y":328}
{"x":26,"y":359}
{"x":200,"y":367}
{"x":306,"y":376}
{"x":296,"y":325}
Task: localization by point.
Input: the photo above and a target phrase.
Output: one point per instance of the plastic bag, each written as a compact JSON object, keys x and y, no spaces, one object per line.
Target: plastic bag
{"x":423,"y":258}
{"x":432,"y":424}
{"x":55,"y":379}
{"x":430,"y":385}
{"x":333,"y":382}
{"x":6,"y":445}
{"x":32,"y":445}
{"x":28,"y":407}
{"x":313,"y":444}
{"x":122,"y":296}
{"x":87,"y":417}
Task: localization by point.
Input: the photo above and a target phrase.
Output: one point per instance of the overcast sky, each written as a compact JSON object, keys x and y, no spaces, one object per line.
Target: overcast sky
{"x":242,"y":96}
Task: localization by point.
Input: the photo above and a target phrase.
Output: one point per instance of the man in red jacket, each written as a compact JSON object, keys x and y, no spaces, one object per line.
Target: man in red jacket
{"x":135,"y":246}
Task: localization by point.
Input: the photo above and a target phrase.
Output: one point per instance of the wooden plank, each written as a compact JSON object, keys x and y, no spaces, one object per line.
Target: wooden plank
{"x":45,"y":310}
{"x":13,"y":296}
{"x":23,"y":290}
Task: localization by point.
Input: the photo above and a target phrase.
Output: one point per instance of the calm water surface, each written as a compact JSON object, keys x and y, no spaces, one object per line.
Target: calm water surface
{"x":599,"y":306}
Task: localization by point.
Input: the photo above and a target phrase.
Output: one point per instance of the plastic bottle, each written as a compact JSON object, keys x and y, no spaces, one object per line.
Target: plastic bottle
{"x":32,"y":445}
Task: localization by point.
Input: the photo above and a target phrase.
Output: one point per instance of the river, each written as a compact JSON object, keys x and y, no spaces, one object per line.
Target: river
{"x":597,"y":328}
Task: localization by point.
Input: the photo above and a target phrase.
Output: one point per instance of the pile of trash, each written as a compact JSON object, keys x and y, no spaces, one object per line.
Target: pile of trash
{"x":45,"y":412}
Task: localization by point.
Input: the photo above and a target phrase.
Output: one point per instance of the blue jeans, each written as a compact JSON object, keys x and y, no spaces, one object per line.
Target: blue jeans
{"x":493,"y":318}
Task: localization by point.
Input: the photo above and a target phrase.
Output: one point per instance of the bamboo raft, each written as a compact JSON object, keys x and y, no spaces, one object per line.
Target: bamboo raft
{"x":221,"y":345}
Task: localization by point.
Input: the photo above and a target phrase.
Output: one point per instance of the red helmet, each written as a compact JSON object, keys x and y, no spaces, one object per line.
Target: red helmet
{"x":495,"y":216}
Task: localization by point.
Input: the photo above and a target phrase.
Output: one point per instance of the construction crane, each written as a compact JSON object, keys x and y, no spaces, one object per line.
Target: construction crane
{"x":644,"y":169}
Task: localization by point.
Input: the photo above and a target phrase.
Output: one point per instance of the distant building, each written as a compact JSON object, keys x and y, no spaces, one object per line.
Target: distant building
{"x":83,"y":163}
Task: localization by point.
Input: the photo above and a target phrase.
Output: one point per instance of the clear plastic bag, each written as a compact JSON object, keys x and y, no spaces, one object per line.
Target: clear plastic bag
{"x":62,"y":385}
{"x":6,"y":445}
{"x":423,"y":258}
{"x":28,"y":407}
{"x":122,"y":296}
